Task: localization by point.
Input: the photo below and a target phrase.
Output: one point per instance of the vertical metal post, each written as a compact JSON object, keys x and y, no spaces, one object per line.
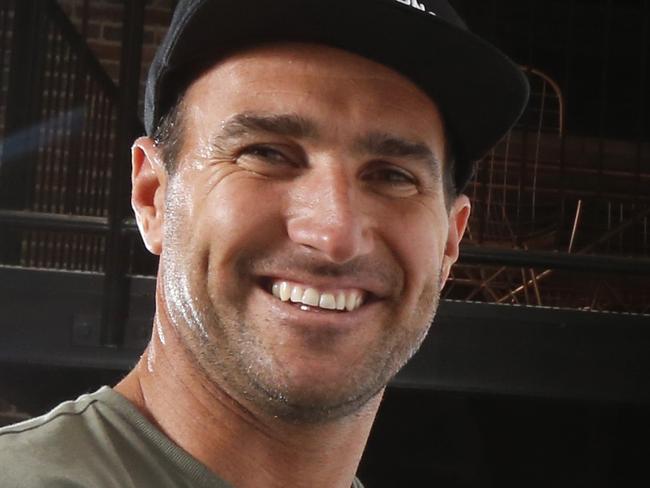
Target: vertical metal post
{"x":115,"y":303}
{"x":84,"y":19}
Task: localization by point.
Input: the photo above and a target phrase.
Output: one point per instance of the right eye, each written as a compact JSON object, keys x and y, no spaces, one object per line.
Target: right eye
{"x":263,"y":153}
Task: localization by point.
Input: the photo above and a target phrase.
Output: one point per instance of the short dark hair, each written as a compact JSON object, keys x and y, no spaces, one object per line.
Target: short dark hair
{"x":449,"y":168}
{"x":168,"y":136}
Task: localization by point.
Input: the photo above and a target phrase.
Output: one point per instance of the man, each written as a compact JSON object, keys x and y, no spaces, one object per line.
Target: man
{"x":301,"y":182}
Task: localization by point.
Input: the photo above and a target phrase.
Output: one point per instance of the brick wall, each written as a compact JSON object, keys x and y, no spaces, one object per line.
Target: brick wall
{"x":100,"y":21}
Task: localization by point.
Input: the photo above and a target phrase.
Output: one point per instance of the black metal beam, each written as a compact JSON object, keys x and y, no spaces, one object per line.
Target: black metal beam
{"x":554,"y":260}
{"x":534,"y":351}
{"x":468,"y":255}
{"x":49,"y":221}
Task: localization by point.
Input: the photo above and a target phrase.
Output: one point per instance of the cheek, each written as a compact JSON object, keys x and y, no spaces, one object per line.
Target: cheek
{"x":241,"y":218}
{"x":418,"y":240}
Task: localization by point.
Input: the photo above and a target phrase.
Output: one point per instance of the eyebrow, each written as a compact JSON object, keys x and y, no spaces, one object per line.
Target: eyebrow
{"x":290,"y":125}
{"x":388,"y":145}
{"x":378,"y":144}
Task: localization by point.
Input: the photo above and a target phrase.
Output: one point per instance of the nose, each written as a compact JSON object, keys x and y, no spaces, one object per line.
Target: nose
{"x":326,"y":215}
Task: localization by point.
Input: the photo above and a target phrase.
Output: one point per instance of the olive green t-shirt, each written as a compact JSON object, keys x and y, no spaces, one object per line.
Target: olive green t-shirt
{"x":99,"y":440}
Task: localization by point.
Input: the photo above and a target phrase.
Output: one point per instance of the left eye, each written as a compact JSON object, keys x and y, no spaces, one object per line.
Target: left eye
{"x":391,"y":176}
{"x":264,"y":152}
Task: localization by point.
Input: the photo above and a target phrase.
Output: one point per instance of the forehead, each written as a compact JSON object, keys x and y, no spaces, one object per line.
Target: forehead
{"x":335,"y":88}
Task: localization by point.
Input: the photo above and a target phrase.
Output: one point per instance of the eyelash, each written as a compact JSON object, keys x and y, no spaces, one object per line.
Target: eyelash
{"x":404,"y":177}
{"x":388,"y":174}
{"x":263,"y":152}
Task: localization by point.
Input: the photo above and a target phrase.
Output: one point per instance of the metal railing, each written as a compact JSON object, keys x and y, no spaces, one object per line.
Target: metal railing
{"x":541,"y":192}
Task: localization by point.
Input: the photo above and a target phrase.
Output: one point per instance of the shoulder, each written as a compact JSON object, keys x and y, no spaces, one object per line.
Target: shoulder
{"x":31,"y":433}
{"x":43,"y":451}
{"x":61,"y":420}
{"x":99,"y":440}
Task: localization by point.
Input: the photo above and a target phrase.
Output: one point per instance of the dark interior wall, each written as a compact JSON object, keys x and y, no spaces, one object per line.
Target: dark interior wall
{"x":597,"y":50}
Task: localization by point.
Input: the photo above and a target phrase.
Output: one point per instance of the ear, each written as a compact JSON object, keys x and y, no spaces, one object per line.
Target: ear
{"x":458,"y":218}
{"x":149,"y":181}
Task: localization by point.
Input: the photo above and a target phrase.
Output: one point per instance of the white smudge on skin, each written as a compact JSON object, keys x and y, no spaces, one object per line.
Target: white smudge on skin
{"x":151,"y":356}
{"x":159,"y":330}
{"x":181,"y":305}
{"x":180,"y":301}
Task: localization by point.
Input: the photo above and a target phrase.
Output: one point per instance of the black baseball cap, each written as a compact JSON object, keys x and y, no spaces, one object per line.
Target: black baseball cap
{"x":480,"y":92}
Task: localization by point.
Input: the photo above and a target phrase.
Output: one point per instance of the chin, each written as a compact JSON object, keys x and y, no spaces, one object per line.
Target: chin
{"x":309,"y":405}
{"x":319,"y":392}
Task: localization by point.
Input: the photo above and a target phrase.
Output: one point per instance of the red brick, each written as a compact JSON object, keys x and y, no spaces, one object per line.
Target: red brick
{"x":157,"y":16}
{"x":148,"y":36}
{"x":105,"y":51}
{"x":148,"y":52}
{"x":160,"y":35}
{"x":111,"y":33}
{"x":113,"y":70}
{"x":106,"y":12}
{"x":164,"y":4}
{"x":68,"y":7}
{"x":94,"y":30}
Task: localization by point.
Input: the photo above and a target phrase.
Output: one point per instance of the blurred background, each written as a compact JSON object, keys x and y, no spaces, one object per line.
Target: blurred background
{"x":537,"y":368}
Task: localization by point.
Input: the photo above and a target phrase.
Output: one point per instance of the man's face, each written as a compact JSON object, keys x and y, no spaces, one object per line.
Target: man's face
{"x":310,"y":172}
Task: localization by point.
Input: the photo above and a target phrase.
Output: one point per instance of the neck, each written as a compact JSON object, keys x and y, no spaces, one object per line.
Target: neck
{"x":239,"y":443}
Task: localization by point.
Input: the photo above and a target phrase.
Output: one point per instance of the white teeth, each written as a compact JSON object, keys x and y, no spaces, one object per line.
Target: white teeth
{"x":327,"y":301}
{"x":285,"y":291}
{"x":350,"y":302}
{"x":310,"y":297}
{"x":296,"y":294}
{"x":341,"y":300}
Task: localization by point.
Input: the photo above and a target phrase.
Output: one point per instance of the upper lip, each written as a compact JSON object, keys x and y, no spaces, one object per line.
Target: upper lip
{"x":322,"y":283}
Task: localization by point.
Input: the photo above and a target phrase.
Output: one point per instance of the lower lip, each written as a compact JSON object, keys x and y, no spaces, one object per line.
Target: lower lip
{"x":289,"y":312}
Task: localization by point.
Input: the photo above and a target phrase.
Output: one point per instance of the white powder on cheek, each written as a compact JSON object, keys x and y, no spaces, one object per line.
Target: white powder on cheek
{"x":151,"y":356}
{"x":182,"y":305}
{"x":159,"y":330}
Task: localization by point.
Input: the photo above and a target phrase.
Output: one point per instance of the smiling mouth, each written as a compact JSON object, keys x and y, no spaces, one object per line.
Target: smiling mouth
{"x":312,"y":298}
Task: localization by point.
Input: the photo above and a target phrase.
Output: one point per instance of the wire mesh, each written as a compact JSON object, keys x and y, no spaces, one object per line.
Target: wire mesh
{"x":604,"y":292}
{"x":64,"y":250}
{"x":75,"y":136}
{"x":66,"y":151}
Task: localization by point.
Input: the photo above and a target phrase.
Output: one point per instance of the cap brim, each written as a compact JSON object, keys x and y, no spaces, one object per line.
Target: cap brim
{"x":480,"y":92}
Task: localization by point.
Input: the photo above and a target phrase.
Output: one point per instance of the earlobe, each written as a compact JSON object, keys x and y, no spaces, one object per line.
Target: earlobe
{"x":458,"y":218}
{"x":149,"y":179}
